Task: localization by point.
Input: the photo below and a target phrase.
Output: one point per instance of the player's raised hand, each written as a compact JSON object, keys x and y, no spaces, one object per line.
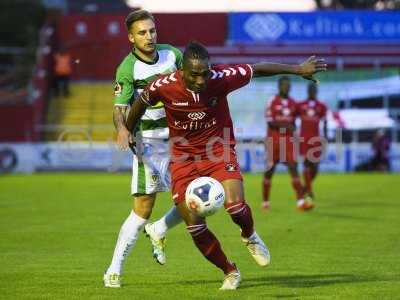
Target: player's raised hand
{"x":124,"y":139}
{"x":311,"y":66}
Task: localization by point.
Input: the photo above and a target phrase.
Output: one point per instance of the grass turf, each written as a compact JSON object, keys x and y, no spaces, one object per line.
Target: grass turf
{"x":57,"y":234}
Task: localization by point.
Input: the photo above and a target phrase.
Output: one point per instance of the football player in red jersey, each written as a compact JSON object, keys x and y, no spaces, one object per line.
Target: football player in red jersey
{"x":202,"y":142}
{"x":311,"y":112}
{"x":281,"y":113}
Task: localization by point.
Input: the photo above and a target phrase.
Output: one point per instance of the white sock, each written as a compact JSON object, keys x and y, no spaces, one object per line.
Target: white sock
{"x":167,"y":221}
{"x":126,"y":240}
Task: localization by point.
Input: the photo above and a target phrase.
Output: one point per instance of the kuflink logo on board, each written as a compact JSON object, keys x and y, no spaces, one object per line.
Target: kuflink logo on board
{"x":265,"y":26}
{"x":316,"y":26}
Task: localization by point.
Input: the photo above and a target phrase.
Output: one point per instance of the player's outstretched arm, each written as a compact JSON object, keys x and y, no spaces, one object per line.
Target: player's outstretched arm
{"x":306,"y":69}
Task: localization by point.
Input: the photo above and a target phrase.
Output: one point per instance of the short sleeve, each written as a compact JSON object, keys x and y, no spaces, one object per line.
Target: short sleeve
{"x":123,"y":87}
{"x":297,"y":110}
{"x":324,"y":111}
{"x":151,"y":94}
{"x":234,"y":76}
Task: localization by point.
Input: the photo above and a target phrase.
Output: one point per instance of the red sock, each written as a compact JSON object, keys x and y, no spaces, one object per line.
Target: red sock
{"x":298,"y":188}
{"x":210,"y":247}
{"x":240,"y":213}
{"x":266,"y":189}
{"x":307,"y":179}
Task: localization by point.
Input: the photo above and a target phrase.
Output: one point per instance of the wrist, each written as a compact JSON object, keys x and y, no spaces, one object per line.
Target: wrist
{"x":122,"y":128}
{"x":297,"y":70}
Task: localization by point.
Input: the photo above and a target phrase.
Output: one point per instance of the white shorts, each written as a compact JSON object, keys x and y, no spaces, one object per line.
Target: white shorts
{"x":150,"y":168}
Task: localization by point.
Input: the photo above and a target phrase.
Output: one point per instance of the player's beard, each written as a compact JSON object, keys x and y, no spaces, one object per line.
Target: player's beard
{"x":147,"y":50}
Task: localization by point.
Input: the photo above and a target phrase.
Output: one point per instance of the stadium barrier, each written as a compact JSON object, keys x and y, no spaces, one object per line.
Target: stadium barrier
{"x":315,"y":27}
{"x":73,"y":156}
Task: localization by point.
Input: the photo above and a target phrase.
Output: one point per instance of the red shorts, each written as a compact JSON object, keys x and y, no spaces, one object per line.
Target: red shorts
{"x":280,"y":149}
{"x":312,"y":149}
{"x":184,"y":172}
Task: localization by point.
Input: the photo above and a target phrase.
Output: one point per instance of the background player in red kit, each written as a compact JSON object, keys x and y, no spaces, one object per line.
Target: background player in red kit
{"x":312,"y":112}
{"x":202,"y":140}
{"x":281,"y":114}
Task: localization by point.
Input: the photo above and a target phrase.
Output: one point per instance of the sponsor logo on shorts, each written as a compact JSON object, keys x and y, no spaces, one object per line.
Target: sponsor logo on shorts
{"x":155,"y":177}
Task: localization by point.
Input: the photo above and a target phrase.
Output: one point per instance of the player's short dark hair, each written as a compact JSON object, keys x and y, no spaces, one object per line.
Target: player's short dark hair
{"x":283,"y":78}
{"x":195,"y":50}
{"x":137,"y":15}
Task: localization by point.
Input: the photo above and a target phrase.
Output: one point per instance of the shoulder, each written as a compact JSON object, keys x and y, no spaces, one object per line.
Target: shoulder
{"x":169,"y":48}
{"x":322,"y":104}
{"x":125,"y":67}
{"x":271,"y":100}
{"x":302,"y":103}
{"x":292,"y":101}
{"x":164,"y":82}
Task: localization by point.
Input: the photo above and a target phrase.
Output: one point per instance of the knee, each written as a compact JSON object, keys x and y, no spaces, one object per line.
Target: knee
{"x":270,"y":171}
{"x":268,"y":174}
{"x":293,"y":169}
{"x":233,"y":200}
{"x":143,"y":206}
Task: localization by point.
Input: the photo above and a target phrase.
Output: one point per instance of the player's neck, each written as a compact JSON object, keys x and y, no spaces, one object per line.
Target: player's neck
{"x":149,"y":58}
{"x":283,"y":96}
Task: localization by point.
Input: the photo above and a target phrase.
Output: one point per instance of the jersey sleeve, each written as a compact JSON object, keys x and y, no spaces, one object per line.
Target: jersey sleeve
{"x":151,"y":94}
{"x":296,"y":106}
{"x":123,"y":86}
{"x":324,"y":112}
{"x":234,"y":76}
{"x":178,"y":57}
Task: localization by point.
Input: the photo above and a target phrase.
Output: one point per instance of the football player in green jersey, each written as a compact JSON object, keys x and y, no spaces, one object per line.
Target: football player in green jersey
{"x":150,"y":173}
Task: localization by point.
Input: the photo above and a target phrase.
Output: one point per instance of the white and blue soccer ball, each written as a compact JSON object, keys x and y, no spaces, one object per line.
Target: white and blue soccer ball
{"x":204,"y":196}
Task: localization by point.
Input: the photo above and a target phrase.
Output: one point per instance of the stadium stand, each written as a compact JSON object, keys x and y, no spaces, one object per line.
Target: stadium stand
{"x":87,"y":110}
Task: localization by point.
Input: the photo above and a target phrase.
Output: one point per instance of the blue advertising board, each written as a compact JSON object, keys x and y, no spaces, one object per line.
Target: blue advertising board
{"x":346,"y":26}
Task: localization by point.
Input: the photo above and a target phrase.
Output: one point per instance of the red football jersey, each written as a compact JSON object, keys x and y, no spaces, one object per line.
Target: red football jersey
{"x":281,"y":110}
{"x":311,"y":112}
{"x":198,"y":118}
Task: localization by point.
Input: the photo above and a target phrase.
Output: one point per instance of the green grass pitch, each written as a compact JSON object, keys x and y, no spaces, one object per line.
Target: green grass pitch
{"x":57,"y":234}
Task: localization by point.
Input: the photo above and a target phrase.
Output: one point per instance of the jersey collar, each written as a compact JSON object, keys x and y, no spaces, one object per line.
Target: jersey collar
{"x":146,"y":62}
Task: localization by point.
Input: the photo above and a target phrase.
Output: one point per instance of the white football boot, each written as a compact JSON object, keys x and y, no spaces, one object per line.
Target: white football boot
{"x":157,"y":244}
{"x":112,"y":280}
{"x":231,"y":280}
{"x":257,"y":249}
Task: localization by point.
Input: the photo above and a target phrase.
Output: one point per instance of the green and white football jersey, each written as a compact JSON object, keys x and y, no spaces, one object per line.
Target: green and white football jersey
{"x":133,"y":74}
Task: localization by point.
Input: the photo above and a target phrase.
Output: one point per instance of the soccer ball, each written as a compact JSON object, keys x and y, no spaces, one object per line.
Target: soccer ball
{"x":204,"y":196}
